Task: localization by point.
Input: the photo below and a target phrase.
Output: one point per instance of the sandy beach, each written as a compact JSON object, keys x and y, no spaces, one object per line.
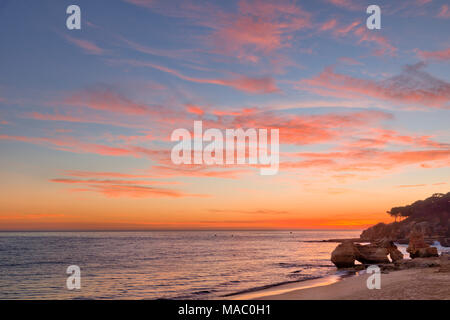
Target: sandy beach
{"x":422,"y":284}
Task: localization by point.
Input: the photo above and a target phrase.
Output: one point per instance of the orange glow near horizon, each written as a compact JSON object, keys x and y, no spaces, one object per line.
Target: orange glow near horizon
{"x":85,"y":128}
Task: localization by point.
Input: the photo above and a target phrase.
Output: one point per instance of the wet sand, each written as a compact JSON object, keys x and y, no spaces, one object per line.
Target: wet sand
{"x":422,"y":284}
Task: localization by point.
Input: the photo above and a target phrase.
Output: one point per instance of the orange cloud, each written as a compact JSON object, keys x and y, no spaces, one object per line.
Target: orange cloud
{"x":76,"y":173}
{"x":198,"y":171}
{"x":411,"y":185}
{"x":126,"y":188}
{"x":135,"y":191}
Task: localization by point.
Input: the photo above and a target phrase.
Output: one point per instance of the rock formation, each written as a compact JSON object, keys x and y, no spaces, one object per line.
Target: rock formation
{"x":431,"y":216}
{"x":371,"y":253}
{"x":392,"y":249}
{"x":344,"y":255}
{"x":418,"y":248}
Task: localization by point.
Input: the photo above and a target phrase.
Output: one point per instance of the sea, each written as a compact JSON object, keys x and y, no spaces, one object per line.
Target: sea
{"x":161,"y":264}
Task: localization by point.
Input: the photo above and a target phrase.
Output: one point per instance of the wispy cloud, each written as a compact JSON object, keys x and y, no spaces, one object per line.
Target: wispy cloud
{"x":254,"y":29}
{"x":124,"y":188}
{"x":442,"y":55}
{"x":87,"y":46}
{"x":412,"y":86}
{"x":347,"y":4}
{"x":242,"y":83}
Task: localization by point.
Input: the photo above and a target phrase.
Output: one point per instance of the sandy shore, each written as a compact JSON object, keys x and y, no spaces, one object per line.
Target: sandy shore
{"x":423,"y":284}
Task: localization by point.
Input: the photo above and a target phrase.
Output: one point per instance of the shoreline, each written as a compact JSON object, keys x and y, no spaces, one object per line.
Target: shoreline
{"x":416,"y":283}
{"x":275,"y":289}
{"x":420,"y":280}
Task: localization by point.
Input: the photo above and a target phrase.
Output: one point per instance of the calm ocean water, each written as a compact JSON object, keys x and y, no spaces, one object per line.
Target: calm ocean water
{"x":152,"y":265}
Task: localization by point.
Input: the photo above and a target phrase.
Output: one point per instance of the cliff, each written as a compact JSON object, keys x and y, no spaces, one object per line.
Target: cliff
{"x":430,"y":216}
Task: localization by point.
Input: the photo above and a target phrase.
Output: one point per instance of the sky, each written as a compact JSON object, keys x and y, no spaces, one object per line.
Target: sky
{"x":86,"y":115}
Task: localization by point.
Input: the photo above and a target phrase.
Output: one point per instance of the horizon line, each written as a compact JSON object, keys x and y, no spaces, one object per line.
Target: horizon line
{"x":166,"y":230}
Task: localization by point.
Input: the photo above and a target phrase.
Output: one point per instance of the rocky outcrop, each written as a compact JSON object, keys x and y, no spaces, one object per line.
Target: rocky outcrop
{"x":344,"y":255}
{"x":379,"y":252}
{"x":431,"y":216}
{"x":418,"y":248}
{"x":432,"y":230}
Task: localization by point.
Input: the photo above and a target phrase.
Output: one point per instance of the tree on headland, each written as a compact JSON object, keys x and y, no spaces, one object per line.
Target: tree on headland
{"x":437,"y":205}
{"x":431,"y":215}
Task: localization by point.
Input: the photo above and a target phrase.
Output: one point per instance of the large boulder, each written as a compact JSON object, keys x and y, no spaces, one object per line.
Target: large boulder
{"x":344,"y":255}
{"x":372,"y":253}
{"x":418,"y":248}
{"x":347,"y":252}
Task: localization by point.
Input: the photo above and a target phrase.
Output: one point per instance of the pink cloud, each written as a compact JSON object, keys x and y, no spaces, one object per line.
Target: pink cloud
{"x":367,"y":160}
{"x":444,"y":12}
{"x":347,"y":4}
{"x":330,"y":24}
{"x":259,"y":27}
{"x":194,"y":109}
{"x":87,"y":46}
{"x":442,"y":55}
{"x":360,"y":31}
{"x":249,"y":31}
{"x":366,"y":36}
{"x":242,"y":83}
{"x":345,"y":30}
